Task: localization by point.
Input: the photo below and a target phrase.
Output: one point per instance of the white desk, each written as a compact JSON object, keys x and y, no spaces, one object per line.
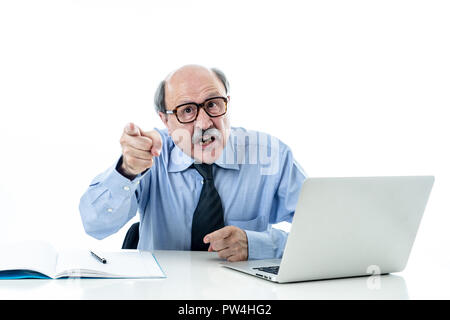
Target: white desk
{"x":198,"y":275}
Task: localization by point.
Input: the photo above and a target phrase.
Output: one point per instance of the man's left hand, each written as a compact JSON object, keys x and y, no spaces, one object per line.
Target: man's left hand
{"x":230,"y":243}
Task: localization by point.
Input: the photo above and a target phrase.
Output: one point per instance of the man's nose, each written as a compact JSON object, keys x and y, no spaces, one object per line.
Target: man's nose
{"x":203,"y":120}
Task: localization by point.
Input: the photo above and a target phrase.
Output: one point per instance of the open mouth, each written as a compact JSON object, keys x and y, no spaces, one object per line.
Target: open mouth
{"x":206,"y":140}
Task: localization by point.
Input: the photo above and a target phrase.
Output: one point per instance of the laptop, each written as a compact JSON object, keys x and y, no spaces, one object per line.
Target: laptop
{"x":347,"y":227}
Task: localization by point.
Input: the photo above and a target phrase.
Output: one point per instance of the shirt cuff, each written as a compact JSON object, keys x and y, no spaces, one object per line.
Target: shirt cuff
{"x":119,"y":185}
{"x":260,"y":245}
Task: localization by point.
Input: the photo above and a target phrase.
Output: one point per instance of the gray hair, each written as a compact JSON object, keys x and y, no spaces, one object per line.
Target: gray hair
{"x":160,"y":96}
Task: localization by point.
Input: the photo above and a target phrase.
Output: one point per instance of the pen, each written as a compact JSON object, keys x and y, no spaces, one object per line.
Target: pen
{"x":102,"y":260}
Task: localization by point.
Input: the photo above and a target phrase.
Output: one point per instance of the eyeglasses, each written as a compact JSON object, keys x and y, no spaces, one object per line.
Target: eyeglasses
{"x":188,"y":112}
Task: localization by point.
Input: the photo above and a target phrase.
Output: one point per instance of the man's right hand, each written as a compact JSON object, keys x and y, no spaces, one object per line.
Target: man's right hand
{"x":138,"y":150}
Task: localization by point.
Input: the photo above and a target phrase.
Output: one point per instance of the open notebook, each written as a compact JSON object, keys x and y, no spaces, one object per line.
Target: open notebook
{"x":41,"y":260}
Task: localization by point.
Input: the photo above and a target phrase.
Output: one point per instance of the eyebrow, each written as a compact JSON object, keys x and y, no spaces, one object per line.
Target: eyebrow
{"x":214,"y":94}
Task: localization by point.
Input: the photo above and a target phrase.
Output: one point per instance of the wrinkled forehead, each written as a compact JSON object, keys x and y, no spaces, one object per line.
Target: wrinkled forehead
{"x":192,"y":83}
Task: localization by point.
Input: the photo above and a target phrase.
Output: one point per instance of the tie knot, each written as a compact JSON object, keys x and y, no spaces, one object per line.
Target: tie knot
{"x":205,"y":170}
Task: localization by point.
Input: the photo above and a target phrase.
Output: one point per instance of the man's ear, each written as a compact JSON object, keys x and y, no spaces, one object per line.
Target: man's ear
{"x":163,"y":118}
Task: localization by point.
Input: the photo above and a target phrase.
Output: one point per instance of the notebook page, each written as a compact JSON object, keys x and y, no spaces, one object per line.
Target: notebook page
{"x":120,"y":264}
{"x":29,"y":255}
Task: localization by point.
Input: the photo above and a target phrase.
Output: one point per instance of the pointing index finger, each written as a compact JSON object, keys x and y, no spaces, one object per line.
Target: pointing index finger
{"x":156,"y":141}
{"x":132,"y":130}
{"x":220,"y":234}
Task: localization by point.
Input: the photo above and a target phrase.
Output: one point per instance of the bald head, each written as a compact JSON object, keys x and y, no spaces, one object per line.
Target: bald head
{"x":190,"y":79}
{"x":190,"y":71}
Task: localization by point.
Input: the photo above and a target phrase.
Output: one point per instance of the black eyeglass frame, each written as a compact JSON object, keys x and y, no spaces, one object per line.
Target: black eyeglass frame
{"x":199,"y":105}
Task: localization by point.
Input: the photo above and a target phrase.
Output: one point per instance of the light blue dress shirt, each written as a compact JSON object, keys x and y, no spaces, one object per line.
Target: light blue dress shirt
{"x":256,"y":177}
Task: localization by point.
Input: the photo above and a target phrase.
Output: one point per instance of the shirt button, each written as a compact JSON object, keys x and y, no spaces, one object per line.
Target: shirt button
{"x":202,"y":182}
{"x":126,"y":188}
{"x":110,"y":210}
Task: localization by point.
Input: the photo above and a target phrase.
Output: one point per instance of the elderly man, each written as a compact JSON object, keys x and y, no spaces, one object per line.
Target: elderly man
{"x":199,"y":184}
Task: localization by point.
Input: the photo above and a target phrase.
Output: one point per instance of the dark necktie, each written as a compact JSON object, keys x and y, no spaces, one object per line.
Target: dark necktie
{"x":208,"y":216}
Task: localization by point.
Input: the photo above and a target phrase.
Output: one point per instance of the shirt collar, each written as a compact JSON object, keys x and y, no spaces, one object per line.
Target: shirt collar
{"x":180,"y":161}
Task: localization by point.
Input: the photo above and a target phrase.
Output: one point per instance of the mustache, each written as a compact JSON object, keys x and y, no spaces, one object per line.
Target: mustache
{"x":200,"y":135}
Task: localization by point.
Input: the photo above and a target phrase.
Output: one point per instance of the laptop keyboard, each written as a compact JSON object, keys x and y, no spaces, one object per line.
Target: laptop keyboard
{"x":273,"y":269}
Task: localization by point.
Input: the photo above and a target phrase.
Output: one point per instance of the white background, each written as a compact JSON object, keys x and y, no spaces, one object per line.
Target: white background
{"x":355,"y":88}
